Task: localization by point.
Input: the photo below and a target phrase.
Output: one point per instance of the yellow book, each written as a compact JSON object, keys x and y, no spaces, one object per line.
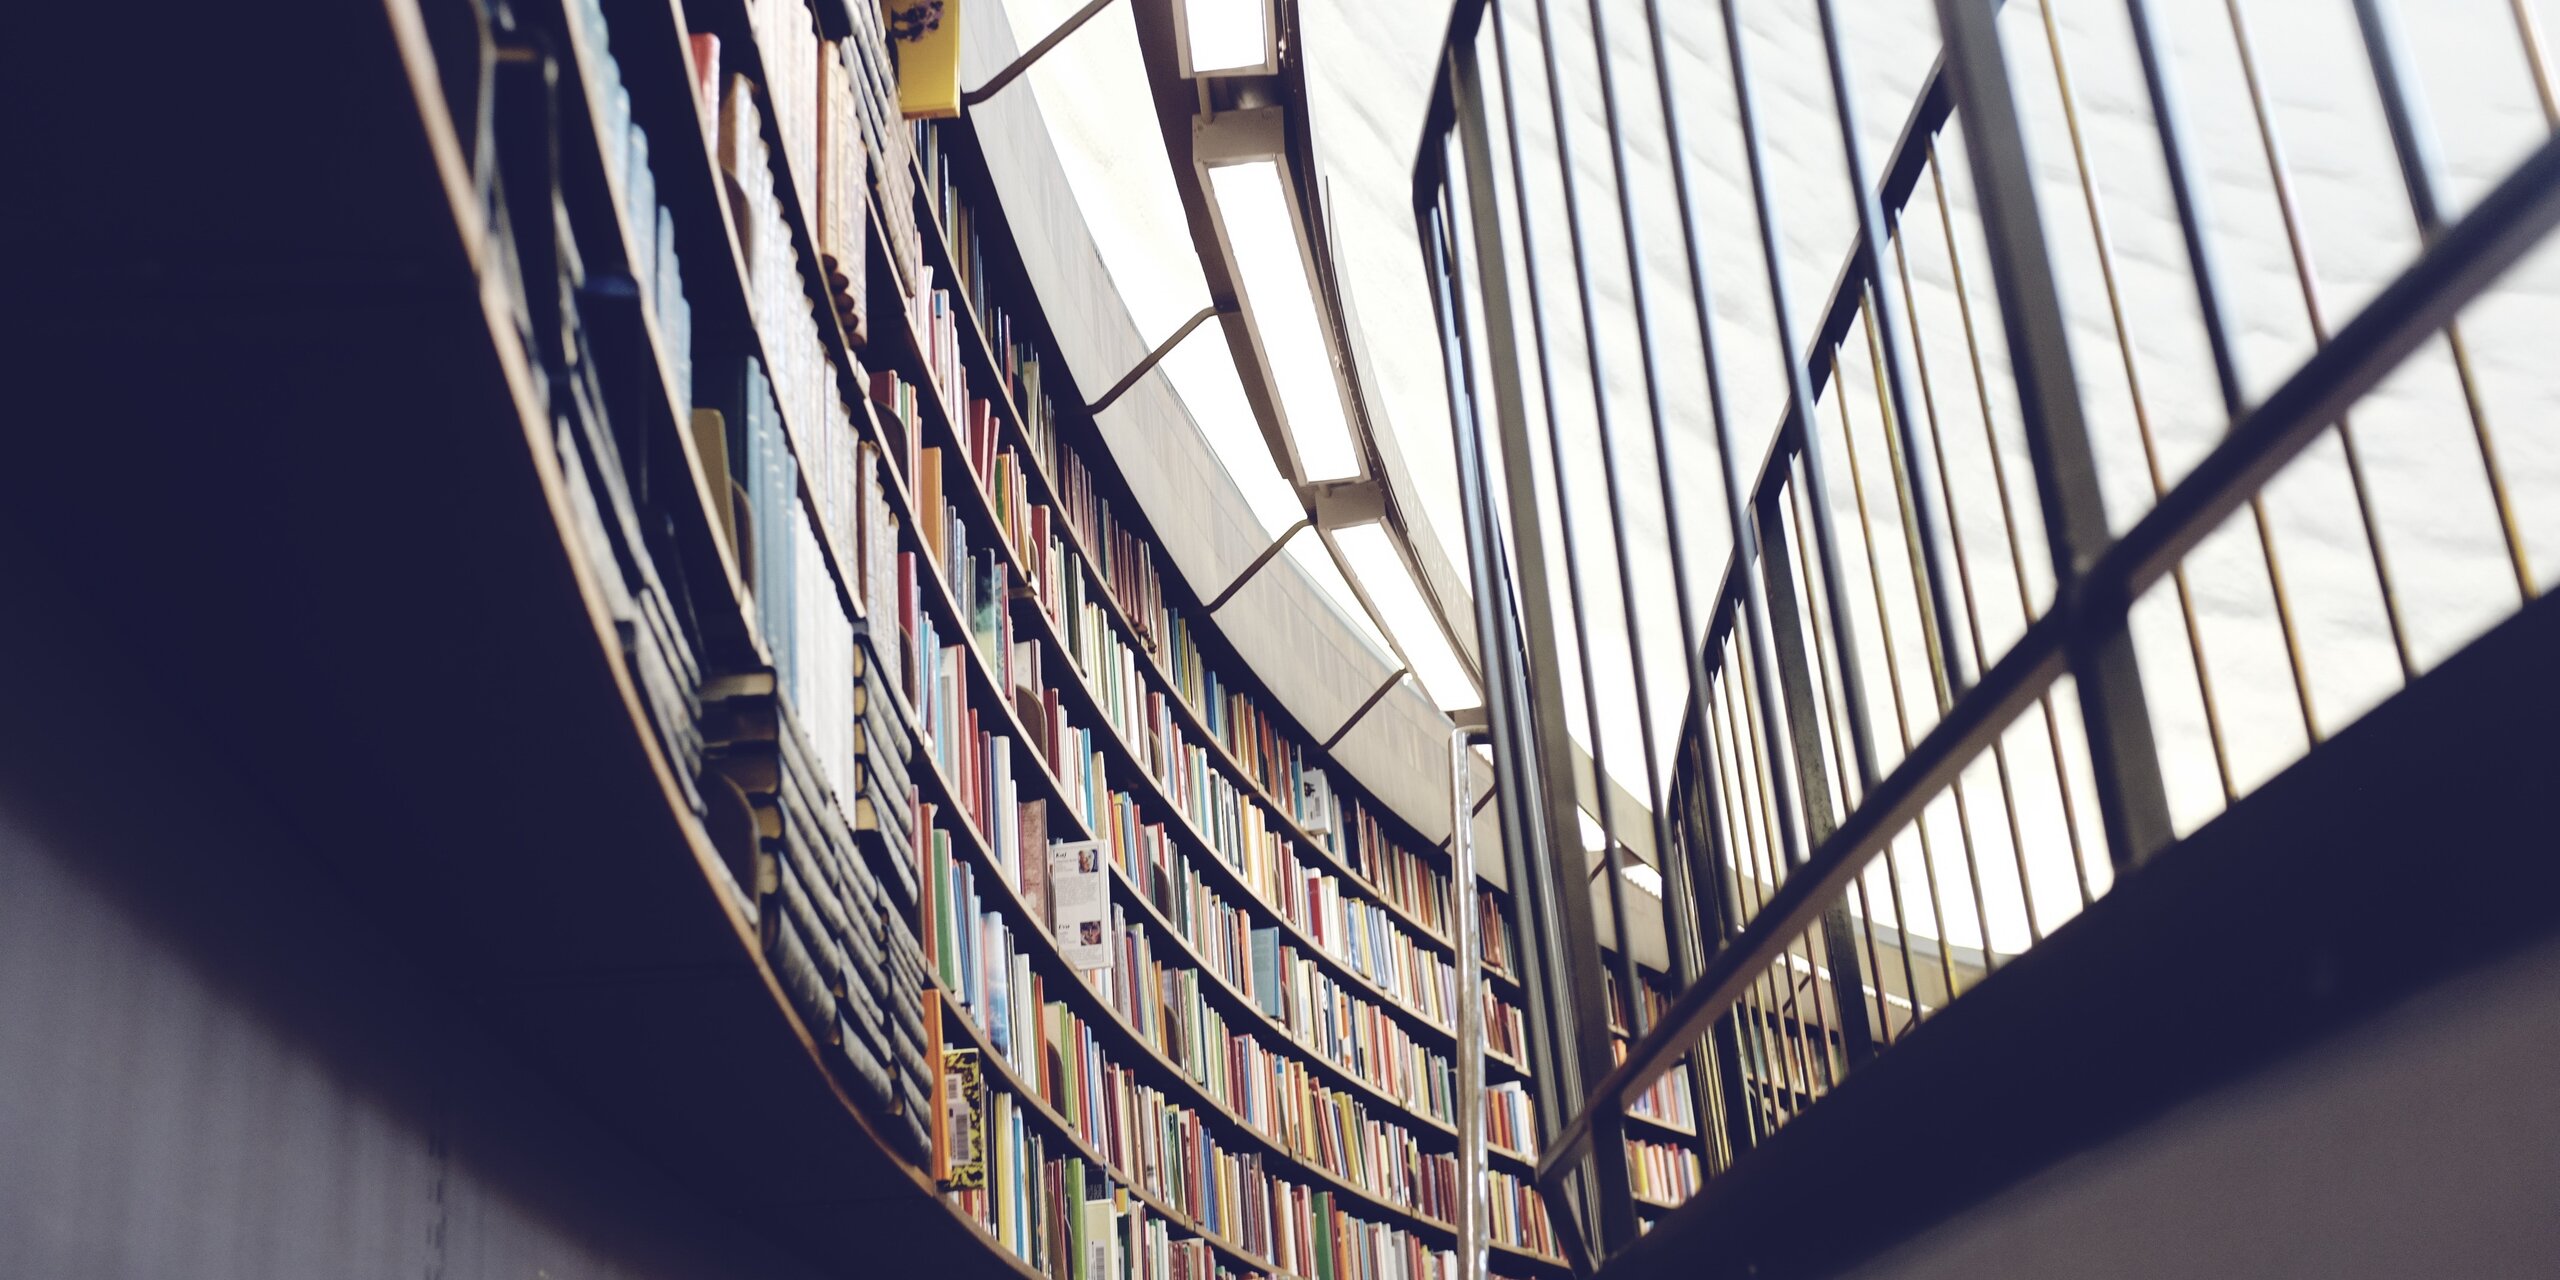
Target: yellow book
{"x":926,"y":34}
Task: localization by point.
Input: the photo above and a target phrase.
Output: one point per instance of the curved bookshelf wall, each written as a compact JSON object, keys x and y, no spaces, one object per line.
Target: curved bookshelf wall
{"x":857,"y":650}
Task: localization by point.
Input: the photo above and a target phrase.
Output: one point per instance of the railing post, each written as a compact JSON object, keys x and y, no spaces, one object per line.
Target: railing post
{"x":1566,"y":1006}
{"x":1468,"y":960}
{"x":2132,"y":803}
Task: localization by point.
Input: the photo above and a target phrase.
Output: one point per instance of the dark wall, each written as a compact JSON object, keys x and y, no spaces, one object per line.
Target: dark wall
{"x":2424,"y":1143}
{"x":212,"y":1068}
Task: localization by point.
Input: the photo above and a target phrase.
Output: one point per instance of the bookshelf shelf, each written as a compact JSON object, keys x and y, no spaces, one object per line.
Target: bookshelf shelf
{"x":985,"y":687}
{"x":977,"y":351}
{"x":1132,"y":775}
{"x":1047,"y":1116}
{"x":462,"y":662}
{"x":667,"y":415}
{"x":798,"y":207}
{"x":1139,"y":1053}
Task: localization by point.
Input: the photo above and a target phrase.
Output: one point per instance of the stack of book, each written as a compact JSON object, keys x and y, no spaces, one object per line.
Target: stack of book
{"x":1510,"y":1120}
{"x":842,"y":163}
{"x":824,"y":917}
{"x":558,"y":304}
{"x":653,"y":268}
{"x":777,"y":289}
{"x":1515,"y":1216}
{"x":786,"y":34}
{"x":1660,"y":1173}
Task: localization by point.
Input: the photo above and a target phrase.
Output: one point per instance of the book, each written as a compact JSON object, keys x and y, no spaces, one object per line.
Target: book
{"x":1079,"y":893}
{"x":1031,"y":832}
{"x":961,"y":1138}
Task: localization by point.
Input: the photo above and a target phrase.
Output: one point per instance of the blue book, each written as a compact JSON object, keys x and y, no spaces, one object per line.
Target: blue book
{"x":1266,"y":970}
{"x":999,"y":976}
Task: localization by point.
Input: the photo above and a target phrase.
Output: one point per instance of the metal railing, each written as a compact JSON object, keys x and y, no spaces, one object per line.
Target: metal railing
{"x":1906,"y":746}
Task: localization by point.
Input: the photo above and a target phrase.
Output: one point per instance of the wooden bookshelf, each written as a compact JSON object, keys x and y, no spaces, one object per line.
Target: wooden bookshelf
{"x":1125,"y":771}
{"x":556,"y":859}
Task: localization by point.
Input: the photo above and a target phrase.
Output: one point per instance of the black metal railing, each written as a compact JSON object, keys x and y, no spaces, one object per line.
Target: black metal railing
{"x":1905,"y":745}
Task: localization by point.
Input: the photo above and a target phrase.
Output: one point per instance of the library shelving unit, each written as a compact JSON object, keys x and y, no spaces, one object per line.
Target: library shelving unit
{"x":680,"y":549}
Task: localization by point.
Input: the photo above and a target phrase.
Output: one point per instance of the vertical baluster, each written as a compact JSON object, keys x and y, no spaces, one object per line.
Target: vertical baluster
{"x":2008,"y":518}
{"x":2414,"y":143}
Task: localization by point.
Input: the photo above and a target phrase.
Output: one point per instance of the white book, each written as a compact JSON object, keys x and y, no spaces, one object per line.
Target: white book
{"x":1080,"y":903}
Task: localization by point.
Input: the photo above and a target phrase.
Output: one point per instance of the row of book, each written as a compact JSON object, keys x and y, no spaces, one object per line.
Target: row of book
{"x":1328,"y":1017}
{"x":1661,"y":1173}
{"x":1510,"y":1119}
{"x":981,"y":961}
{"x":1109,"y":663}
{"x":572,"y":324}
{"x":1355,"y":936}
{"x":831,"y":904}
{"x":802,"y":373}
{"x":1416,"y":884}
{"x":1666,"y":1101}
{"x":994,"y":1164}
{"x":1515,"y":1215}
{"x":1170,"y":1004}
{"x":1123,"y":562}
{"x":786,"y":39}
{"x":652,"y":251}
{"x":1504,"y":1031}
{"x":933,"y":319}
{"x":1017,"y":370}
{"x":1493,"y":933}
{"x":1065,"y":1217}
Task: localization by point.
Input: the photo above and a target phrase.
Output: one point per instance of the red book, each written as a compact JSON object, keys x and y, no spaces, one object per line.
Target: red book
{"x":706,"y":75}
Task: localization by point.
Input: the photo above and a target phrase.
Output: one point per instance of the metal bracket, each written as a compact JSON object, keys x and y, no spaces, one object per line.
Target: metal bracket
{"x":995,"y":84}
{"x":1219,"y":601}
{"x":1394,"y":678}
{"x":1163,"y":349}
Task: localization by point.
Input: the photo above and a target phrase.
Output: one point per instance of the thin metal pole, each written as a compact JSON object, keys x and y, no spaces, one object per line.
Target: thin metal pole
{"x":2008,"y":520}
{"x":1649,"y":360}
{"x":1468,"y":1218}
{"x":1900,"y":468}
{"x":2280,"y":177}
{"x":2133,"y":804}
{"x":1924,"y":512}
{"x":2414,"y":143}
{"x":1821,"y":665}
{"x":1229,"y":591}
{"x":2529,"y":35}
{"x":1804,"y":733}
{"x":1582,"y":617}
{"x":1576,"y":970}
{"x":2126,"y":355}
{"x":1972,"y":611}
{"x":1893,"y":682}
{"x":2189,"y":199}
{"x":1505,"y":687}
{"x":1799,"y":399}
{"x":1361,"y":712}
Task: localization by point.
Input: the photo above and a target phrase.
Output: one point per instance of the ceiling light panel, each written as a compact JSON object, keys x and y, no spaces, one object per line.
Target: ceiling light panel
{"x":1371,"y":552}
{"x":1272,"y":272}
{"x":1226,"y":37}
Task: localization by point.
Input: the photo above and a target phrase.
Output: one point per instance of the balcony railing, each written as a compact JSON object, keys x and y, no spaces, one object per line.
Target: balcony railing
{"x":1938,"y":701}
